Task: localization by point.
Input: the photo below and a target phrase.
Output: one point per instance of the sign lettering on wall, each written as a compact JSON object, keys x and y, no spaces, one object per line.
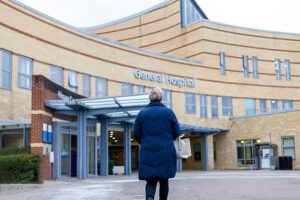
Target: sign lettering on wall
{"x":164,"y":78}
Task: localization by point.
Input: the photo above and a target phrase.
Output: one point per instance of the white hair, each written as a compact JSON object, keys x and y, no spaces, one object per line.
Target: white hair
{"x":156,"y":94}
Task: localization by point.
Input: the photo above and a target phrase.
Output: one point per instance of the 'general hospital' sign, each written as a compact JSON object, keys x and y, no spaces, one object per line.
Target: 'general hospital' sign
{"x":164,"y":78}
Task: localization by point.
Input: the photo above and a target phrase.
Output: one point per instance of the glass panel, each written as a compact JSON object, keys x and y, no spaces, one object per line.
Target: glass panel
{"x":274,"y":105}
{"x":92,"y":155}
{"x":101,"y":87}
{"x":227,"y":106}
{"x":141,"y":89}
{"x":288,"y":142}
{"x":73,"y":82}
{"x":56,"y":74}
{"x":290,"y":151}
{"x":190,"y":100}
{"x":250,"y":106}
{"x":214,"y":106}
{"x":12,"y":140}
{"x":203,"y":106}
{"x":25,"y":72}
{"x":263,"y":105}
{"x":287,"y":104}
{"x":277,"y":69}
{"x":222,"y":63}
{"x":255,"y":67}
{"x":86,"y":85}
{"x":287,"y":70}
{"x":167,"y":98}
{"x":246,"y":66}
{"x":65,"y":155}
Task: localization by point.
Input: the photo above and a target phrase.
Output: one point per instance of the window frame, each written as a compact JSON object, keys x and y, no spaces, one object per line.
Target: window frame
{"x":61,"y":70}
{"x":227,"y":107}
{"x":26,"y":76}
{"x":253,"y":110}
{"x":272,"y":109}
{"x":6,"y":70}
{"x":255,"y":67}
{"x":73,"y":87}
{"x":287,"y":101}
{"x":167,"y":104}
{"x":86,"y":77}
{"x":265,"y":109}
{"x":278,"y":69}
{"x":102,"y":93}
{"x":252,"y":145}
{"x":203,"y":106}
{"x":214,"y":106}
{"x":141,"y":89}
{"x":288,"y":146}
{"x":129,"y":87}
{"x":222,"y":63}
{"x":287,"y":66}
{"x":245,"y":66}
{"x":193,"y":104}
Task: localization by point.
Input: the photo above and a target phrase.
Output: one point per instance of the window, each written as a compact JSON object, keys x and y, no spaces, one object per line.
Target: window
{"x":167,"y":98}
{"x":190,"y":13}
{"x":250,"y":108}
{"x":6,"y":69}
{"x":287,"y":70}
{"x":101,"y":87}
{"x":140,"y":89}
{"x":255,"y":66}
{"x":245,"y":152}
{"x":277,"y":69}
{"x":25,"y":72}
{"x":190,"y":103}
{"x":73,"y":82}
{"x":287,"y":104}
{"x":56,"y":74}
{"x":86,"y":85}
{"x":197,"y":152}
{"x":288,"y":147}
{"x":246,"y":66}
{"x":274,"y":105}
{"x":263,"y":105}
{"x":227,"y":106}
{"x":222,"y":63}
{"x":126,"y":89}
{"x":203,"y":106}
{"x":214,"y":106}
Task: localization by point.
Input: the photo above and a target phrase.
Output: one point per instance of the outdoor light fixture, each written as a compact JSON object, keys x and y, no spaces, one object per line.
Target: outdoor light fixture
{"x":258,"y":141}
{"x":242,"y":142}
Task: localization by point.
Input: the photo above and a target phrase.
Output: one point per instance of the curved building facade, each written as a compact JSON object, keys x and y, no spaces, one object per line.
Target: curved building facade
{"x":214,"y":75}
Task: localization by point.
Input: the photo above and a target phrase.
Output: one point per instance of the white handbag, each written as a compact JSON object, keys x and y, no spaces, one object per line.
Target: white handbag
{"x":183,"y":148}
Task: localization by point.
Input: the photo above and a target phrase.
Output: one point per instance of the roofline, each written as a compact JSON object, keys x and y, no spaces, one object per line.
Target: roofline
{"x":251,"y":29}
{"x":199,"y":9}
{"x":162,"y":4}
{"x":195,"y":61}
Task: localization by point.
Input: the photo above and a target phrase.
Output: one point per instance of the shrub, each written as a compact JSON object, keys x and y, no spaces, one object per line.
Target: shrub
{"x":20,"y":168}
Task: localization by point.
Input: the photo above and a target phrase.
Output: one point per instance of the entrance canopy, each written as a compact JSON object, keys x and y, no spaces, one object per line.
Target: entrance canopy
{"x":115,"y":109}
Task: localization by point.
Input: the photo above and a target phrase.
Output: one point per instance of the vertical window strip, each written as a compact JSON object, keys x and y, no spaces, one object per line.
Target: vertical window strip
{"x":246,"y":65}
{"x":25,"y":72}
{"x":56,"y":74}
{"x":287,"y":104}
{"x":203,"y":106}
{"x":263,"y":105}
{"x":167,"y":98}
{"x":287,"y":70}
{"x":250,"y":107}
{"x":255,"y":66}
{"x":227,"y":106}
{"x":190,"y":103}
{"x":222,"y":63}
{"x":278,"y":69}
{"x":126,"y":89}
{"x":214,"y":107}
{"x":86,"y":85}
{"x":140,"y":89}
{"x":73,"y":81}
{"x":274,"y":105}
{"x":6,"y":69}
{"x":288,"y":147}
{"x":101,"y":87}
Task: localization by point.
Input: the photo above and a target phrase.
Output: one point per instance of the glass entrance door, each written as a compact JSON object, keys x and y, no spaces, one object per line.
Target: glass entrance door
{"x":65,"y":147}
{"x":92,"y":155}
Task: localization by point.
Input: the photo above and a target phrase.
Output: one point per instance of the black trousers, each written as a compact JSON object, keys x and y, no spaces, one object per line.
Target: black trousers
{"x":163,"y":189}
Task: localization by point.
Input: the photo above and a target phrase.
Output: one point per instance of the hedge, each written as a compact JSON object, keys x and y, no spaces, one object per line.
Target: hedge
{"x":15,"y":150}
{"x":20,"y":168}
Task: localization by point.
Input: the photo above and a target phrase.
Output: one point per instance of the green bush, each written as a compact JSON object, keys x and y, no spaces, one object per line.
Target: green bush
{"x":20,"y":168}
{"x":15,"y":150}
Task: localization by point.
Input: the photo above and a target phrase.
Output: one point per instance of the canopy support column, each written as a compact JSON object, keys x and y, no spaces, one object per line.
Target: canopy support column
{"x":127,"y":149}
{"x":104,"y":164}
{"x":81,"y":145}
{"x":205,"y":152}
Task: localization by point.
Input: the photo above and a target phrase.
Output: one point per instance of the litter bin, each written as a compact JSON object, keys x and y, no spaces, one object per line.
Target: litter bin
{"x":285,"y":163}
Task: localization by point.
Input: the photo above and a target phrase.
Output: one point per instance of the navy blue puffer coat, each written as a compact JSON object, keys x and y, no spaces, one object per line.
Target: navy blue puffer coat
{"x":155,"y":129}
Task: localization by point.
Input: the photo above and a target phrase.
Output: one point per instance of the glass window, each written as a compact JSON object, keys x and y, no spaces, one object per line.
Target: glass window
{"x":288,"y":147}
{"x":203,"y":106}
{"x":86,"y":85}
{"x":167,"y":98}
{"x":274,"y":105}
{"x":246,"y":66}
{"x":227,"y":106}
{"x":214,"y":106}
{"x":245,"y":152}
{"x":6,"y":69}
{"x":190,"y":103}
{"x":141,"y":89}
{"x":73,"y":82}
{"x":263,"y":105}
{"x":101,"y":87}
{"x":197,"y":152}
{"x":127,"y":89}
{"x":190,"y":13}
{"x":250,"y":108}
{"x":278,"y":69}
{"x":56,"y":74}
{"x":222,"y":63}
{"x":287,"y":70}
{"x":255,"y":66}
{"x":25,"y":72}
{"x":287,"y":104}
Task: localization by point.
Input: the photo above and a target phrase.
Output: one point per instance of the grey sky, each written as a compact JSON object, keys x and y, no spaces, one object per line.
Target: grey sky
{"x":274,"y":15}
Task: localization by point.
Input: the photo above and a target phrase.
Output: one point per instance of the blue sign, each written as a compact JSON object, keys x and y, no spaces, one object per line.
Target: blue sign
{"x":49,"y":134}
{"x":44,"y":133}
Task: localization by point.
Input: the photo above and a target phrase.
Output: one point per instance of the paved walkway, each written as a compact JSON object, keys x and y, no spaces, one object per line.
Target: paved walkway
{"x":216,"y":185}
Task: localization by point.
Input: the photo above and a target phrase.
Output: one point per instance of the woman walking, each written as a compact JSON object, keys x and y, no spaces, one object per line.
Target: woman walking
{"x":155,"y":128}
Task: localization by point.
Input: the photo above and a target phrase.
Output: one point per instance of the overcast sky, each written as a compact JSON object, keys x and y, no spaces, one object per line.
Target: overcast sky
{"x":273,"y":15}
